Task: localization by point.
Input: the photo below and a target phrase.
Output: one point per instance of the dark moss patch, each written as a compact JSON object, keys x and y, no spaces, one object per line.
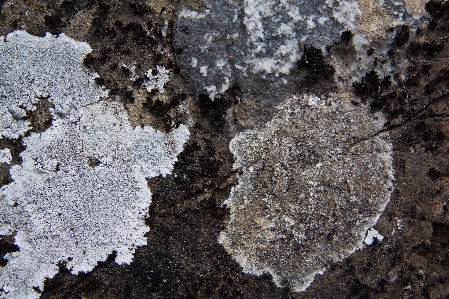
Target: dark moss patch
{"x":15,"y":146}
{"x":69,"y":8}
{"x":431,"y":138}
{"x":54,"y":24}
{"x":437,"y":9}
{"x":359,"y":290}
{"x":438,"y":82}
{"x":215,"y":111}
{"x":421,"y":249}
{"x":346,"y":37}
{"x":371,"y":87}
{"x":429,"y":49}
{"x":138,"y":34}
{"x":93,"y":162}
{"x":440,"y":244}
{"x":160,"y":110}
{"x":139,"y":7}
{"x":60,"y":15}
{"x":100,"y":81}
{"x":402,"y":35}
{"x":5,"y":177}
{"x":314,"y":65}
{"x":2,"y":2}
{"x":433,"y":174}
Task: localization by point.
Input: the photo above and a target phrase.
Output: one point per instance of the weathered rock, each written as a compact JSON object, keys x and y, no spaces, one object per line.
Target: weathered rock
{"x":385,"y":59}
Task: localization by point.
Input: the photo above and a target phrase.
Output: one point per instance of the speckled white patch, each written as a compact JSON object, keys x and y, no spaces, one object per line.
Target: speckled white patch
{"x":5,"y":156}
{"x":32,"y":68}
{"x":158,"y":80}
{"x":60,"y":205}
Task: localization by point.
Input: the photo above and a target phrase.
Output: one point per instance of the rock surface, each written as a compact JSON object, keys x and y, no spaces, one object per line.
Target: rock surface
{"x":267,"y":89}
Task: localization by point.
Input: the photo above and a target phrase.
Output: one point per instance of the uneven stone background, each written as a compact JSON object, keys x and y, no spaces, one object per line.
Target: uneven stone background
{"x":183,"y":258}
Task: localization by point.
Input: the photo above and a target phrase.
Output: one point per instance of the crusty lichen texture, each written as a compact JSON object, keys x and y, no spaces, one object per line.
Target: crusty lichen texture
{"x":237,"y":41}
{"x":81,"y":192}
{"x":32,"y":68}
{"x":312,"y":181}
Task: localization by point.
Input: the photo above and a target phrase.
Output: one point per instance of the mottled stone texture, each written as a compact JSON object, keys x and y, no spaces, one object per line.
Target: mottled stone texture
{"x":312,"y":181}
{"x":405,"y":78}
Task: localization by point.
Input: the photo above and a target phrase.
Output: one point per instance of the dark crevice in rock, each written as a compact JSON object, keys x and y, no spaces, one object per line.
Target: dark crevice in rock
{"x":93,"y":162}
{"x":15,"y":146}
{"x":402,"y":35}
{"x":6,"y":246}
{"x":40,"y":118}
{"x":315,"y":67}
{"x":2,"y":2}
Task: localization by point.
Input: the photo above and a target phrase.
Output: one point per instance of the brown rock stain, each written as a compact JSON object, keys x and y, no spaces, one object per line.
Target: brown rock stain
{"x":374,"y":20}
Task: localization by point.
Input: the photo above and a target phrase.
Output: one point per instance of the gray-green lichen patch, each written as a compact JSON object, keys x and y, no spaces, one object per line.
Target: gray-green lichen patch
{"x":311,"y":182}
{"x":81,"y":192}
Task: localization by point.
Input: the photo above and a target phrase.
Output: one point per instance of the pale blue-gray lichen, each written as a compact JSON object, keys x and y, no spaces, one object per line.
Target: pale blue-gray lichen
{"x":61,"y":207}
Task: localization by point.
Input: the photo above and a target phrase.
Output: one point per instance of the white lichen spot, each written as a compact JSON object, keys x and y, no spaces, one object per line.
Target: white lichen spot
{"x":194,"y":62}
{"x":371,"y":235}
{"x":157,"y":81}
{"x":322,"y":20}
{"x":225,"y":86}
{"x":220,"y":63}
{"x":212,"y":90}
{"x":346,"y":13}
{"x":399,"y":224}
{"x":286,"y":55}
{"x":192,"y":14}
{"x":164,"y":29}
{"x":203,"y":70}
{"x":81,"y":192}
{"x":5,"y":156}
{"x":311,"y":182}
{"x":310,"y":23}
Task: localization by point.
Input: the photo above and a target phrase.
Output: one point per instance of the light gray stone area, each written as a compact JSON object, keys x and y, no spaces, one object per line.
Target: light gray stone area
{"x":311,"y":183}
{"x":254,"y":44}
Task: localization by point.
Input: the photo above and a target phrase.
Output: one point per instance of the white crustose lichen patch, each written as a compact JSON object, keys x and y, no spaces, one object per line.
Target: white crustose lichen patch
{"x":81,"y":192}
{"x":157,"y":81}
{"x":5,"y":156}
{"x":27,"y":73}
{"x":371,"y":235}
{"x":312,"y":181}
